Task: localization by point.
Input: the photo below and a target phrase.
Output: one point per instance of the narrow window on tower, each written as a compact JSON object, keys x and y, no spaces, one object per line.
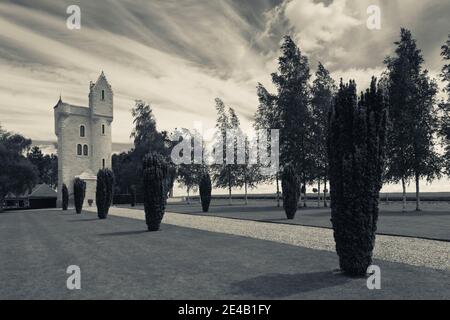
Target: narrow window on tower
{"x":85,"y":150}
{"x":103,"y":129}
{"x":103,"y":94}
{"x":79,"y":151}
{"x":82,"y":131}
{"x":103,"y":163}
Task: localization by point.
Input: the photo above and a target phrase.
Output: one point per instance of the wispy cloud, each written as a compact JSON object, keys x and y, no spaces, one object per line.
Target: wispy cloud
{"x":180,"y":55}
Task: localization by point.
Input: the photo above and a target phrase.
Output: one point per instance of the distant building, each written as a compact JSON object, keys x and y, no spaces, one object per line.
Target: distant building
{"x":84,"y":138}
{"x":42,"y":196}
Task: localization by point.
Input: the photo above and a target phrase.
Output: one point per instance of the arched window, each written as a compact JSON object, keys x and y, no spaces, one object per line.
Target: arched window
{"x":79,"y":150}
{"x":82,"y":131}
{"x":103,"y":94}
{"x":103,"y":163}
{"x":103,"y":129}
{"x":85,"y":150}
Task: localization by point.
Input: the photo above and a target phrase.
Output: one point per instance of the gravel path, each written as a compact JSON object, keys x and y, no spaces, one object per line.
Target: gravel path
{"x":412,"y":251}
{"x":432,"y":223}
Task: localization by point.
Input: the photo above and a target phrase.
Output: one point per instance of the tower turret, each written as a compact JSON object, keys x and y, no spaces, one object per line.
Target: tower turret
{"x":101,"y":97}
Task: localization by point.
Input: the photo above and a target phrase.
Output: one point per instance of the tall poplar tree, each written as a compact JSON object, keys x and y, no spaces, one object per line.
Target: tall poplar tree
{"x":412,"y":112}
{"x":445,"y":106}
{"x":189,"y":175}
{"x":267,"y":117}
{"x":225,"y":175}
{"x":323,"y":90}
{"x":292,"y":82}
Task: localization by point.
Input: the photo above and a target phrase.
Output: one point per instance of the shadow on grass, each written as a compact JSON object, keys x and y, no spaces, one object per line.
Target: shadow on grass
{"x":123,"y":233}
{"x":276,"y":285}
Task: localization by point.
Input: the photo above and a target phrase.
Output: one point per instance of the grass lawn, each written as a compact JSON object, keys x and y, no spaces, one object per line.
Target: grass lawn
{"x":120,"y":260}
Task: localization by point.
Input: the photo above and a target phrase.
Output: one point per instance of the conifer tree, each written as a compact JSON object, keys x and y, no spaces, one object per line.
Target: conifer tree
{"x":356,"y":145}
{"x":156,"y":182}
{"x":79,"y":192}
{"x":65,"y":197}
{"x":104,"y":192}
{"x":205,"y":189}
{"x":291,"y":191}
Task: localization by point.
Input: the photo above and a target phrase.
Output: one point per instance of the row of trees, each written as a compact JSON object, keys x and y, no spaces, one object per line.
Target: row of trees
{"x":414,"y":125}
{"x":415,"y":128}
{"x":300,"y":109}
{"x":128,"y":166}
{"x":46,"y":165}
{"x":17,"y":174}
{"x":23,"y":166}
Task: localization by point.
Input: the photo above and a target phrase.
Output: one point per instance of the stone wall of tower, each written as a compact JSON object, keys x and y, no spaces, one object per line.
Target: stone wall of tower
{"x":101,"y":143}
{"x":96,"y":119}
{"x":70,"y":164}
{"x":101,"y":108}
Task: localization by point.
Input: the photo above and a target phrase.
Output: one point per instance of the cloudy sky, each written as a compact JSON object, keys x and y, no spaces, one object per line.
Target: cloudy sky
{"x":180,"y":55}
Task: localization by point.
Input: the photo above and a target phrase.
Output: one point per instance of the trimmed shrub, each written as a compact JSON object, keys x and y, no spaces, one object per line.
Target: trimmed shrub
{"x":290,"y":185}
{"x":65,"y":197}
{"x":356,"y":155}
{"x":79,"y":192}
{"x":205,"y":188}
{"x":104,"y":192}
{"x":155,"y":187}
{"x":133,"y":195}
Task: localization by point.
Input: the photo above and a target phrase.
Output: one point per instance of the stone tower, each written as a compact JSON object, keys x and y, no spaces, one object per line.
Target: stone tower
{"x":84,"y":138}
